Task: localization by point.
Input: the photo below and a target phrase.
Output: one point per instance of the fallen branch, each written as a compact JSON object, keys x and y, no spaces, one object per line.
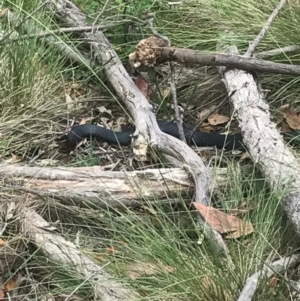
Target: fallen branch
{"x":54,"y":32}
{"x":277,"y":51}
{"x":276,"y":267}
{"x":193,"y":57}
{"x":264,"y":30}
{"x":76,"y":186}
{"x":65,"y":253}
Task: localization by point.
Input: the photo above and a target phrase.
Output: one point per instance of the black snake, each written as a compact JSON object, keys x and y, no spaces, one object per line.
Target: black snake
{"x":229,"y":142}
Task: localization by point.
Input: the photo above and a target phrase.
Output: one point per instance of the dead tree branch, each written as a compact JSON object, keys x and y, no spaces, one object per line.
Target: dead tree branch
{"x":264,"y":30}
{"x":60,"y":31}
{"x":65,"y":253}
{"x":75,"y":186}
{"x":194,"y":57}
{"x":267,"y":271}
{"x":277,"y":51}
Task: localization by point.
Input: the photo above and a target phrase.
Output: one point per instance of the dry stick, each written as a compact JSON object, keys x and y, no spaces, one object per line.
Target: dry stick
{"x":194,"y":57}
{"x":140,"y":110}
{"x":172,"y":84}
{"x":22,"y":22}
{"x":65,"y":253}
{"x":277,"y":51}
{"x":100,"y":14}
{"x":71,"y":53}
{"x":264,"y":30}
{"x":267,"y":271}
{"x":65,"y":30}
{"x":176,"y":107}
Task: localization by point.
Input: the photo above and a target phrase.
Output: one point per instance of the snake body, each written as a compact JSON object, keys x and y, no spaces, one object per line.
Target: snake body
{"x":201,"y":139}
{"x":123,"y":138}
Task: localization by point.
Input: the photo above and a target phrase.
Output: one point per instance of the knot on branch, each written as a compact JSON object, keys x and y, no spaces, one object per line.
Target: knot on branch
{"x":147,"y":52}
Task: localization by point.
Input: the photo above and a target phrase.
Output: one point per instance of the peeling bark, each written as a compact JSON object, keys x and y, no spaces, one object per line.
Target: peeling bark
{"x":104,"y":188}
{"x":263,"y":141}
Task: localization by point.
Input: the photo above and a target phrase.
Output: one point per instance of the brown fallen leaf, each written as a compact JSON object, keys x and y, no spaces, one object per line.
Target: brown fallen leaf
{"x":292,"y":119}
{"x":3,"y":11}
{"x":245,"y":156}
{"x":101,"y":258}
{"x":215,"y":119}
{"x":274,"y":281}
{"x":143,"y":86}
{"x":138,"y":269}
{"x":204,"y":114}
{"x":112,"y":250}
{"x":206,"y":127}
{"x":224,"y":223}
{"x":10,"y":284}
{"x":2,"y":242}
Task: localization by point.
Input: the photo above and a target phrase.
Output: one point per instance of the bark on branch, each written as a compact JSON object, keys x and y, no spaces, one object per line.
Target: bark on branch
{"x":65,"y":253}
{"x":104,"y":189}
{"x":264,"y":143}
{"x":194,"y":57}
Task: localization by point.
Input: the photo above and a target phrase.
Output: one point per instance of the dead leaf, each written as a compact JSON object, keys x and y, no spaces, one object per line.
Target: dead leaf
{"x":204,"y":114}
{"x":111,"y":250}
{"x":245,"y":156}
{"x":101,"y":258}
{"x":274,"y":281}
{"x":284,"y":127}
{"x":84,"y":120}
{"x":228,"y":224}
{"x":292,"y":118}
{"x":16,"y":158}
{"x":2,"y":295}
{"x":3,"y":11}
{"x":215,"y":119}
{"x":143,"y":86}
{"x":206,"y":127}
{"x":10,"y":284}
{"x":2,"y":242}
{"x":69,"y":102}
{"x":136,"y":270}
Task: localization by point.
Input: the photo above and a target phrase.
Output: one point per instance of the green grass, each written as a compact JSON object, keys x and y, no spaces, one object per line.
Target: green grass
{"x":180,"y":265}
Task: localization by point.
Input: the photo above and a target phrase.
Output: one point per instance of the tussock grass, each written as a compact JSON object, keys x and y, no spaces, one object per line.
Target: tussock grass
{"x":166,"y":239}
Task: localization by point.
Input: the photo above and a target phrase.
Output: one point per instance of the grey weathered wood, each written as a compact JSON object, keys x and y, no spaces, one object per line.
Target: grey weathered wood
{"x":65,"y":253}
{"x":100,"y":188}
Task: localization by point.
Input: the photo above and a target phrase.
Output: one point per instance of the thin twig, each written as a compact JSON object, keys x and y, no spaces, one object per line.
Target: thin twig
{"x":22,"y":22}
{"x":267,"y":271}
{"x":277,"y":51}
{"x":264,"y":30}
{"x":176,"y":107}
{"x":172,"y":83}
{"x":100,"y":14}
{"x":43,"y":34}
